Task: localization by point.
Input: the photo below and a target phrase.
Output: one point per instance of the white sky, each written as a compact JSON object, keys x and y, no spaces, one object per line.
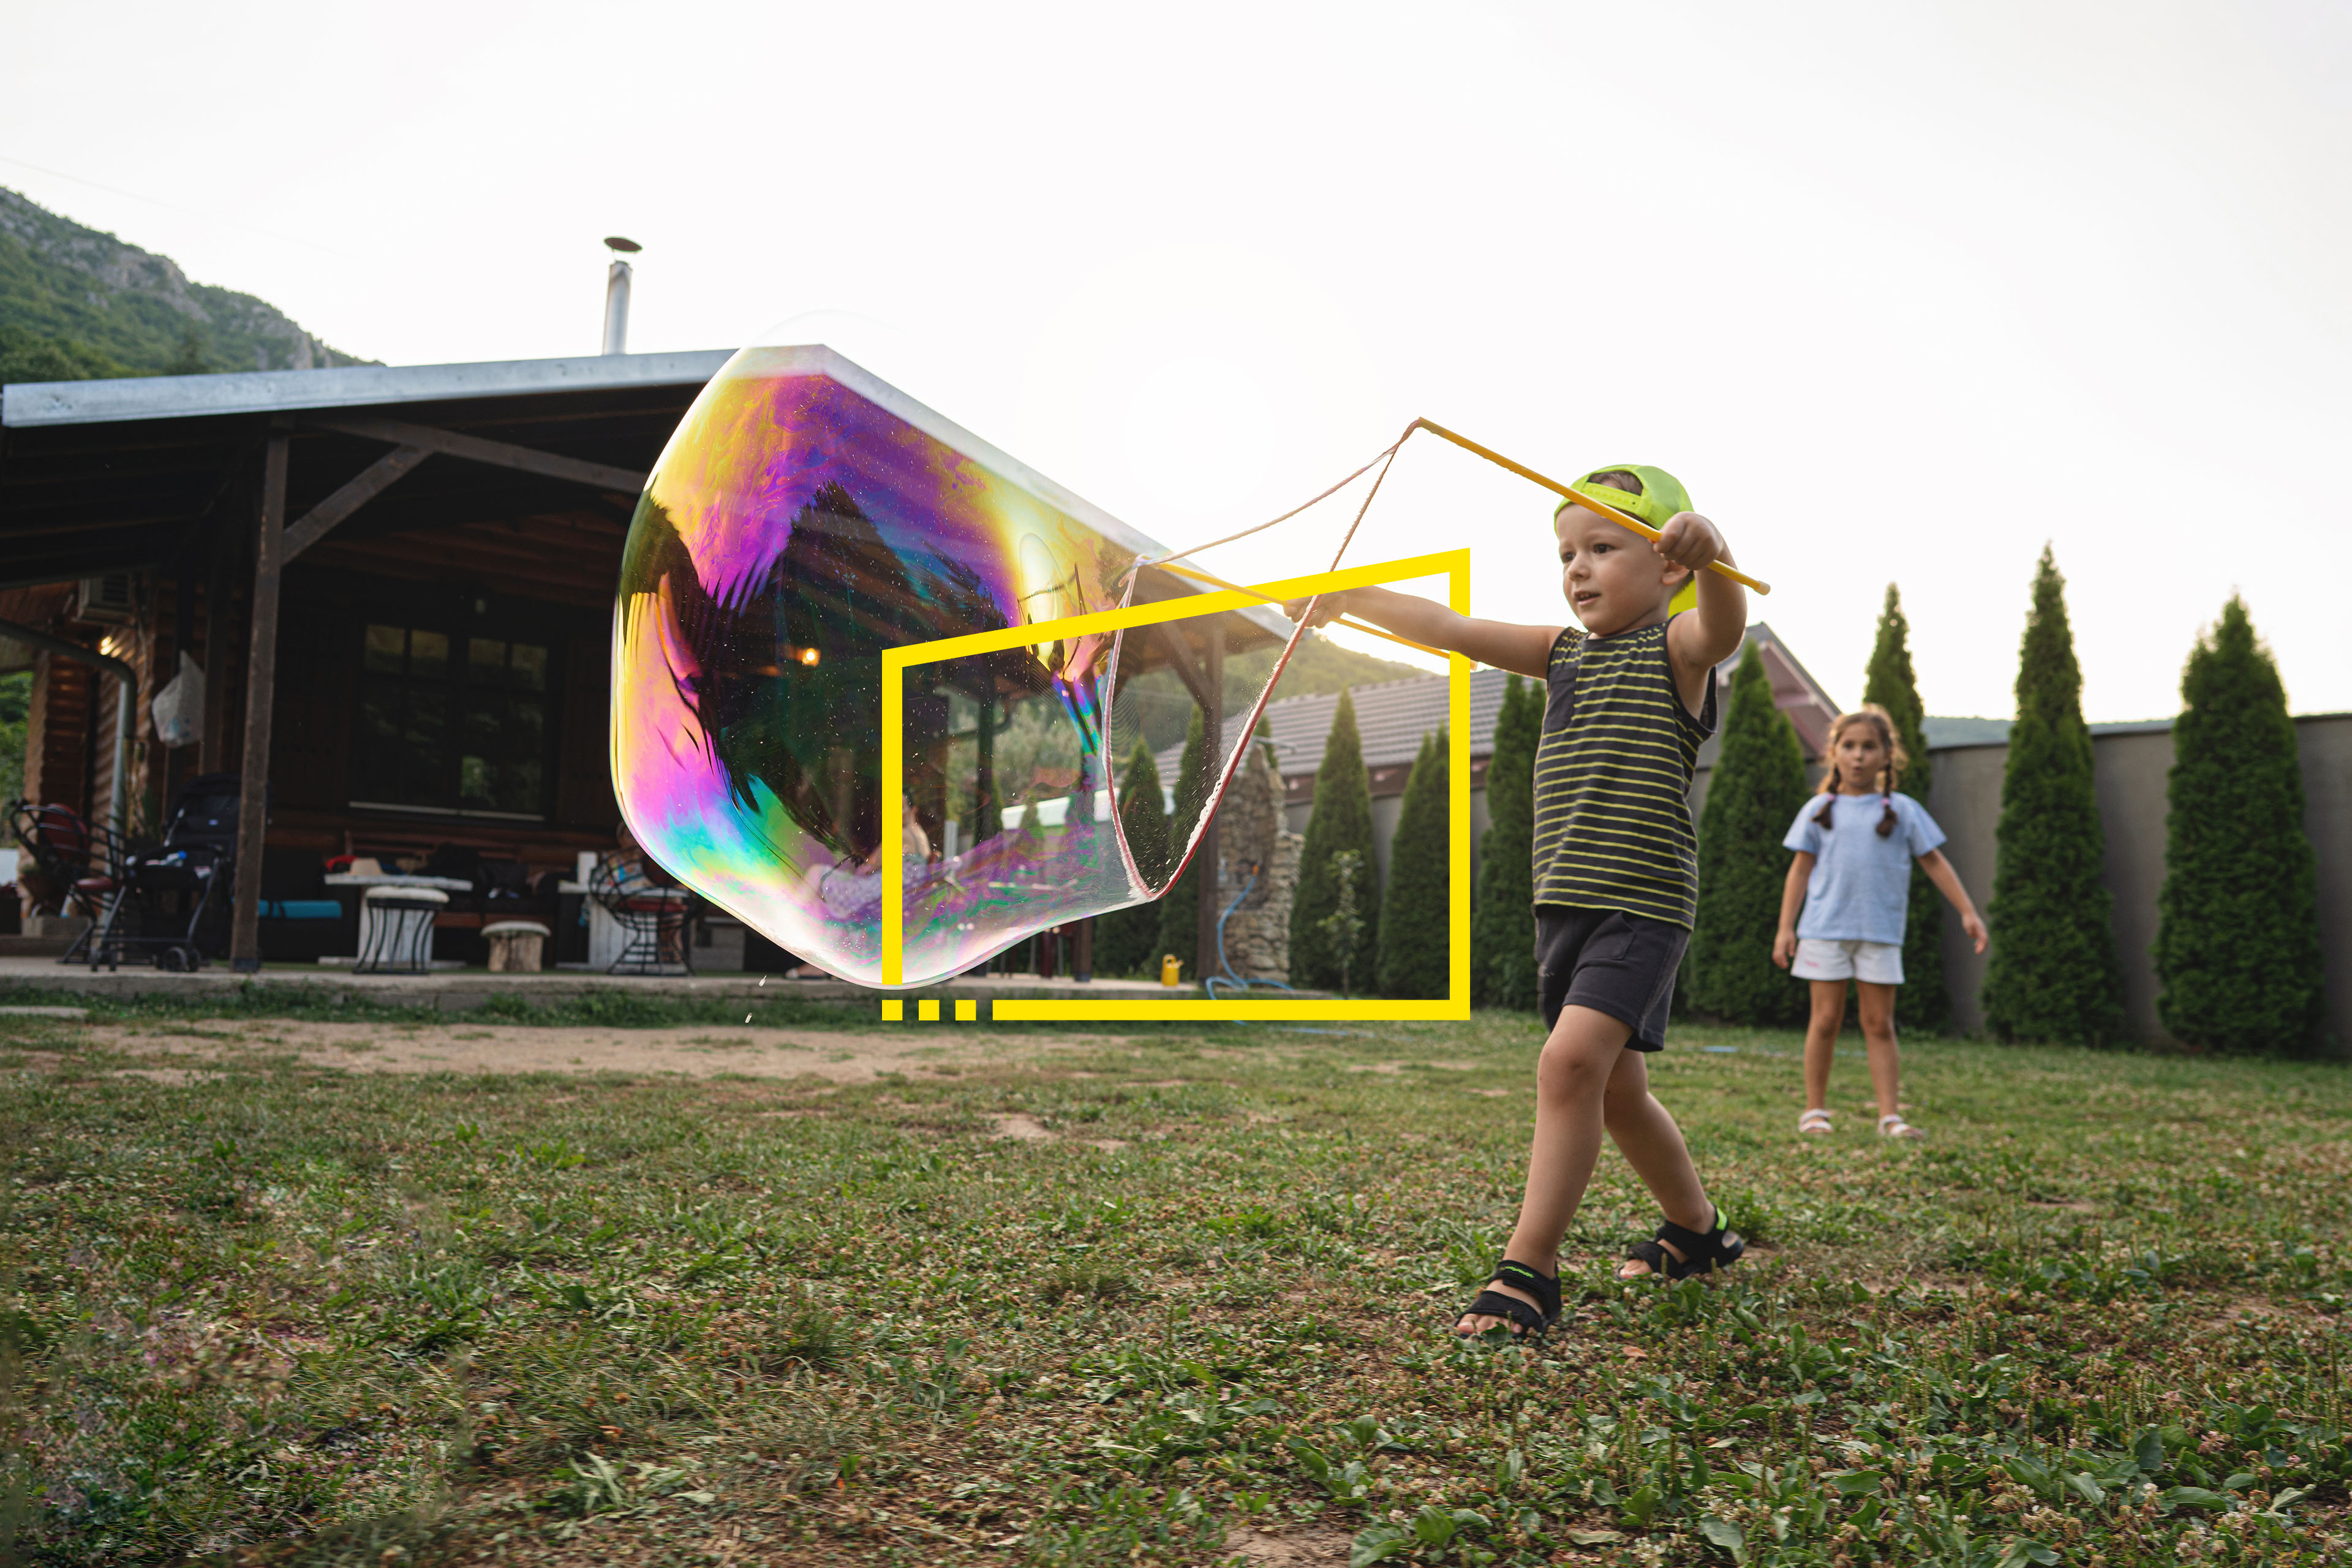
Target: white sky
{"x":1899,"y":291}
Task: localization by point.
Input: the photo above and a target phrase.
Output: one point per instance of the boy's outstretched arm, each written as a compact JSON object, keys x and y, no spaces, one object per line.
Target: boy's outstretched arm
{"x":1524,"y":650}
{"x":1705,"y":638}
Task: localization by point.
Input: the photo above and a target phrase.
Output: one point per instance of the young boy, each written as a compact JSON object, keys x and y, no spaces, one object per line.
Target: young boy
{"x":1630,"y":698}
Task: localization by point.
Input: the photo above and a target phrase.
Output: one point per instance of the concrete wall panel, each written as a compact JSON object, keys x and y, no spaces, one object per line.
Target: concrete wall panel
{"x":2131,"y":773}
{"x":1964,"y":801}
{"x":2326,"y":742}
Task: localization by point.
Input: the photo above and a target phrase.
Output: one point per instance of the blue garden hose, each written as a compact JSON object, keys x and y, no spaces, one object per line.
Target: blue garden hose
{"x":1229,"y":980}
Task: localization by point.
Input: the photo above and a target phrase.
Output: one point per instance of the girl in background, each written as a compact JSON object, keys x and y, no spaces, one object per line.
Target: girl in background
{"x":1852,"y":878}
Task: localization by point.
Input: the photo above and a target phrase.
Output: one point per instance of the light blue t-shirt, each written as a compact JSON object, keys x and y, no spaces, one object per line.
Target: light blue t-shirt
{"x":1862,"y":883}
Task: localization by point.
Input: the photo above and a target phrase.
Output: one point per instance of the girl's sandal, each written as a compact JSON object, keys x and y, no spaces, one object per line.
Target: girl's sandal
{"x":1701,"y":1254}
{"x":1894,"y":1126}
{"x":1530,"y":1321}
{"x":1815,"y":1121}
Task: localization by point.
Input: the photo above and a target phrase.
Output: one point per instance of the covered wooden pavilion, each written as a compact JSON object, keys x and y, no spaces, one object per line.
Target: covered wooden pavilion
{"x":397,"y":582}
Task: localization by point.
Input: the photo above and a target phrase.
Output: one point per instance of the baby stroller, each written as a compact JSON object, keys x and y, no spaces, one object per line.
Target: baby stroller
{"x":172,"y":901}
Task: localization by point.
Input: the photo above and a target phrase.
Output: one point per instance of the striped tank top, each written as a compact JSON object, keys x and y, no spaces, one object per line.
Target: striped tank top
{"x":1613,"y":775}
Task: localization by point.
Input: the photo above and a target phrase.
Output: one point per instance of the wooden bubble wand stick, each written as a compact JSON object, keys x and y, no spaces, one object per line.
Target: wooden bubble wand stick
{"x":1578,"y":497}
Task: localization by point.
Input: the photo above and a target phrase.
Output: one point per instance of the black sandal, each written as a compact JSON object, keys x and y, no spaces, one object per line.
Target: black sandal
{"x":1702,"y":1254}
{"x":1532,"y":1322}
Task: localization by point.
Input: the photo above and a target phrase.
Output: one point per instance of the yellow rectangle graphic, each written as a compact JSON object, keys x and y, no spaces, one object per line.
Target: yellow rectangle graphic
{"x":1454,"y":564}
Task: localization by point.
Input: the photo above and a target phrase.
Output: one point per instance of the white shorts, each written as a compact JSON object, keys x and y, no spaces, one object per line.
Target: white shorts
{"x":1819,"y":958}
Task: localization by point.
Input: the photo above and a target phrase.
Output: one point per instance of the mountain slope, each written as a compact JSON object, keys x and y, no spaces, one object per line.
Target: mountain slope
{"x":76,"y":303}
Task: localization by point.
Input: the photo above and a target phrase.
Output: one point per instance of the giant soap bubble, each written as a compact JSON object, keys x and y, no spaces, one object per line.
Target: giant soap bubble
{"x":804,"y":518}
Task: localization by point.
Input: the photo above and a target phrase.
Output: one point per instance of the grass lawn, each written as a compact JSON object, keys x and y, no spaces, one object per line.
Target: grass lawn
{"x":1161,"y":1297}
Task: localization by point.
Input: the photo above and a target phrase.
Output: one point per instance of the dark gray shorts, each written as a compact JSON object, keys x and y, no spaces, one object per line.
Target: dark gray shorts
{"x":1611,"y":961}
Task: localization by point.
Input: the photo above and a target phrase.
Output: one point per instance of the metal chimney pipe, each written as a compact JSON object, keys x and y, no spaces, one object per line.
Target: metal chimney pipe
{"x":616,"y":294}
{"x":616,"y":308}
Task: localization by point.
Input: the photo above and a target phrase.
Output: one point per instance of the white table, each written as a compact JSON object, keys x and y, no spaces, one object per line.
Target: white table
{"x":374,"y":944}
{"x":397,"y":879}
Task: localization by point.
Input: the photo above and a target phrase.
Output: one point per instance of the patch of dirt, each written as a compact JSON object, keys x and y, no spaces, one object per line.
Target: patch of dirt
{"x":686,"y":1050}
{"x":1294,"y":1549}
{"x":1490,"y":1093}
{"x":1020,"y":1128}
{"x":1386,"y":1070}
{"x":2078,"y":1205}
{"x":1108,"y":1145}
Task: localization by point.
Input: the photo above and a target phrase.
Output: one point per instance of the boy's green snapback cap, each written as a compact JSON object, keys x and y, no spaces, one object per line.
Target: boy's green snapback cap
{"x":1662,"y":494}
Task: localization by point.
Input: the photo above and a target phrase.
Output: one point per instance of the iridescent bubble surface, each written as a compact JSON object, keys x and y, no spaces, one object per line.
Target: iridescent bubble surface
{"x":804,"y":518}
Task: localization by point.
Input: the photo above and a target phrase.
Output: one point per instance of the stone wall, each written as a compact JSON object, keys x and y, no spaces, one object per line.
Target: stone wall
{"x":1251,"y":838}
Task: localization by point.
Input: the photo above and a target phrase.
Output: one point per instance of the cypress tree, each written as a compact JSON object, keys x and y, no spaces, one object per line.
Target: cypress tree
{"x":1755,"y":793}
{"x":1417,"y":912}
{"x":2052,"y":973}
{"x":1180,"y":908}
{"x":1922,"y":1003}
{"x":1503,"y":925}
{"x":1124,"y":939}
{"x":2238,"y":948}
{"x":1340,"y":819}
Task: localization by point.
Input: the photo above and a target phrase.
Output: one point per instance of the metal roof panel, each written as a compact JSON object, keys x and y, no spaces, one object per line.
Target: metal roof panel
{"x":28,"y":404}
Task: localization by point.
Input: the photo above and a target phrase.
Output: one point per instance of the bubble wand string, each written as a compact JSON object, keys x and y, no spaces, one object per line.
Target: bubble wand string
{"x":1352,"y":625}
{"x":1389,"y":457}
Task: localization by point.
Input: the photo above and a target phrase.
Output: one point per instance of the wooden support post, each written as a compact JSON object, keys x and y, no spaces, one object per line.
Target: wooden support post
{"x":261,"y":675}
{"x":1082,"y":962}
{"x":1213,"y":732}
{"x":212,"y":756}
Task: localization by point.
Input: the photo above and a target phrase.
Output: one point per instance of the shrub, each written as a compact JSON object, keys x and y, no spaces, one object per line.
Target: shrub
{"x":1416,"y":913}
{"x":1758,"y":786}
{"x":1922,"y":1003}
{"x":2052,"y":973}
{"x":2238,"y":948}
{"x":1125,"y":939}
{"x":1340,"y":819}
{"x":1503,"y":924}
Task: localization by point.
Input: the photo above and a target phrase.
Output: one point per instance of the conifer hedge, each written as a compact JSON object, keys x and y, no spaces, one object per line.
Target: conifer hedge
{"x":1923,"y":1002}
{"x":1752,"y":796}
{"x":1340,"y":819}
{"x":1416,"y":911}
{"x":1503,"y":923}
{"x":1180,"y":910}
{"x":1126,"y":940}
{"x":2053,"y":971}
{"x":2237,"y":951}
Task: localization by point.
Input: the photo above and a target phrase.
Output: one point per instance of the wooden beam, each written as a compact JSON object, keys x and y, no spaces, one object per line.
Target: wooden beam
{"x":262,"y":676}
{"x":222,"y":560}
{"x":1179,"y":658}
{"x":365,"y":486}
{"x":478,"y":450}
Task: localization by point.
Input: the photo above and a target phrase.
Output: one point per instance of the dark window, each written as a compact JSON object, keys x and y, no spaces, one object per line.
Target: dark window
{"x":452,"y":724}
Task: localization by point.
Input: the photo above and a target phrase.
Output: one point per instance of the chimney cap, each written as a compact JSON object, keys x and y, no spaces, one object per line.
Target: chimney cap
{"x":615,"y":242}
